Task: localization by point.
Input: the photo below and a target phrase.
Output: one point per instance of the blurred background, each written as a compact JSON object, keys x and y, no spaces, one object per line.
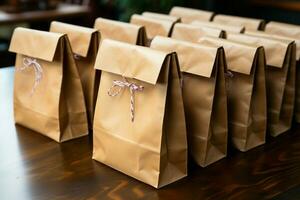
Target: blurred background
{"x":39,"y":13}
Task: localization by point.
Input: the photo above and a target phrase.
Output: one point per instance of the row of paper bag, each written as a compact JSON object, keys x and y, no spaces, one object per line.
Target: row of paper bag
{"x":198,"y":83}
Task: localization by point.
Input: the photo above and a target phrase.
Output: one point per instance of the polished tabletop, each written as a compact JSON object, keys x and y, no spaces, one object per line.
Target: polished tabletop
{"x":62,"y":11}
{"x":34,"y":167}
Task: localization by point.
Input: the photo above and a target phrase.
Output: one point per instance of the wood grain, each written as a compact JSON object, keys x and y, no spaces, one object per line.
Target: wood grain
{"x":35,"y":167}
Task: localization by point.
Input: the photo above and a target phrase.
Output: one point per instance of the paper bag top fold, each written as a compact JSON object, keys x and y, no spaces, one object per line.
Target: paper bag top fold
{"x":188,"y":15}
{"x":288,"y":30}
{"x":239,"y":56}
{"x":79,"y":37}
{"x":34,"y":43}
{"x":121,"y":31}
{"x":224,"y":27}
{"x":193,"y":58}
{"x":279,"y":38}
{"x":248,"y":23}
{"x":130,"y":61}
{"x":193,"y":33}
{"x":275,"y":50}
{"x":161,"y":16}
{"x":153,"y":26}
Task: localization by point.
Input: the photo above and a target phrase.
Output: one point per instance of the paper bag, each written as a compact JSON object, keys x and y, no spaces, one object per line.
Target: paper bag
{"x":139,"y":124}
{"x":121,"y":31}
{"x":247,"y":108}
{"x":192,"y":33}
{"x":224,"y":27}
{"x":153,"y":26}
{"x":48,"y":96}
{"x":204,"y":97}
{"x":293,"y":32}
{"x":250,"y":24}
{"x":84,"y":44}
{"x":280,"y":85}
{"x":188,"y":15}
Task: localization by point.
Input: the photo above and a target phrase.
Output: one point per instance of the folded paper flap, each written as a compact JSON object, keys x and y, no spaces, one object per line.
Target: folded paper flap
{"x":248,"y":23}
{"x":279,"y":37}
{"x":224,"y":27}
{"x":153,"y":26}
{"x":263,"y":34}
{"x":161,"y":16}
{"x":130,"y":61}
{"x":195,"y":30}
{"x":189,"y":14}
{"x":79,"y":37}
{"x":34,"y":43}
{"x":295,"y":28}
{"x":116,"y":30}
{"x":193,"y":58}
{"x":275,"y":50}
{"x":102,"y":23}
{"x":239,"y":56}
{"x":288,"y":30}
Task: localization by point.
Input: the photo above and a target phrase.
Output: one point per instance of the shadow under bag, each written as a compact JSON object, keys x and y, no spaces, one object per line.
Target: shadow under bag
{"x":204,"y":97}
{"x":139,"y":124}
{"x":48,"y":96}
{"x":246,"y":89}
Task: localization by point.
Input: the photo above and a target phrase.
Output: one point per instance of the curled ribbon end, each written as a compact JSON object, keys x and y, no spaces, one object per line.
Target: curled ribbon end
{"x":32,"y":62}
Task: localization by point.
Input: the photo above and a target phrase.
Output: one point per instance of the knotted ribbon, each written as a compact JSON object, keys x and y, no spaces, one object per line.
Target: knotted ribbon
{"x":122,"y":85}
{"x":38,"y":70}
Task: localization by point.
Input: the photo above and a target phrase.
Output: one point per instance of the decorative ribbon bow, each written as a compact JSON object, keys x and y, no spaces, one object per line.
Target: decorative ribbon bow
{"x":38,"y":70}
{"x":132,"y":88}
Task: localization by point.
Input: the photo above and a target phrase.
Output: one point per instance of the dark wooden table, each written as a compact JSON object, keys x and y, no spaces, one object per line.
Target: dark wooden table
{"x":289,"y":5}
{"x":35,"y":167}
{"x":62,"y":11}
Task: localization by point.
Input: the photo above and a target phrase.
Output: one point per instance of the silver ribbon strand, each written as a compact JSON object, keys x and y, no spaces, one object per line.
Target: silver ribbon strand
{"x":38,"y":70}
{"x":76,"y":56}
{"x":229,"y":74}
{"x":132,"y":88}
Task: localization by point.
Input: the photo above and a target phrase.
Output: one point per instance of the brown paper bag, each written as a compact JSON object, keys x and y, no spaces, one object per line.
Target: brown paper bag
{"x":248,"y":23}
{"x":204,"y":97}
{"x":293,"y":32}
{"x":192,"y":33}
{"x":84,"y":43}
{"x":247,"y":113}
{"x":160,"y":16}
{"x":188,"y":15}
{"x":224,"y":27}
{"x":280,"y":86}
{"x":121,"y":31}
{"x":48,"y":96}
{"x":153,"y":26}
{"x":139,"y":124}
